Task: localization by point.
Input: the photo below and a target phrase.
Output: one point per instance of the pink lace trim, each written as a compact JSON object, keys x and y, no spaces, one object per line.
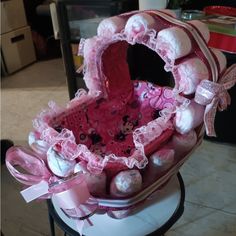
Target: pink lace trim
{"x":65,"y":142}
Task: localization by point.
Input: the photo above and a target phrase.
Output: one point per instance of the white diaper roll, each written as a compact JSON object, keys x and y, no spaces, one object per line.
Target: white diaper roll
{"x":58,"y":165}
{"x":202,"y":28}
{"x":173,"y":43}
{"x":138,"y":24}
{"x":190,"y":73}
{"x":110,"y":26}
{"x":189,"y":118}
{"x":162,"y":159}
{"x":182,"y":143}
{"x":37,"y":145}
{"x":158,"y":162}
{"x":126,"y":183}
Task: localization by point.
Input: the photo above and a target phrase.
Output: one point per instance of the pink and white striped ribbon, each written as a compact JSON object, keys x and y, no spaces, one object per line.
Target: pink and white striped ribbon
{"x":214,"y":95}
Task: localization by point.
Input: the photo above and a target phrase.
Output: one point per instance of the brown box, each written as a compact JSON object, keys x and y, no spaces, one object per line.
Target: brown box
{"x":12,"y":15}
{"x":17,"y":49}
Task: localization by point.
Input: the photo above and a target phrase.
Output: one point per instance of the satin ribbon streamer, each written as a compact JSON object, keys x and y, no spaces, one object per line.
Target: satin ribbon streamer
{"x":215,"y":95}
{"x":72,"y":194}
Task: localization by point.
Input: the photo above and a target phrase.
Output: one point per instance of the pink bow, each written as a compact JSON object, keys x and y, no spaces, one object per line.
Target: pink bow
{"x":29,"y":161}
{"x":214,"y":95}
{"x":72,"y":194}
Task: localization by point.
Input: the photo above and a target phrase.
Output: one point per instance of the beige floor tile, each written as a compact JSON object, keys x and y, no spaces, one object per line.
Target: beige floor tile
{"x":192,"y":212}
{"x":213,"y":223}
{"x":38,"y":75}
{"x":209,"y":176}
{"x":20,"y":107}
{"x":210,"y":157}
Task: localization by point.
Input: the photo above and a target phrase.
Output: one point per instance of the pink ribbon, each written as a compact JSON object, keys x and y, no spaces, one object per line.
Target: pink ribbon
{"x":214,"y":95}
{"x":72,"y":194}
{"x":74,"y":199}
{"x":28,"y":161}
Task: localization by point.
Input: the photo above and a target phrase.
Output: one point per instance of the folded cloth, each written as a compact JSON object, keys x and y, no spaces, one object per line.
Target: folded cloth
{"x":110,"y":26}
{"x":189,"y":118}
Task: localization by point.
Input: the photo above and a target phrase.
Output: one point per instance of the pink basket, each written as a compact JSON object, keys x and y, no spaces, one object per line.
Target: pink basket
{"x":121,"y":125}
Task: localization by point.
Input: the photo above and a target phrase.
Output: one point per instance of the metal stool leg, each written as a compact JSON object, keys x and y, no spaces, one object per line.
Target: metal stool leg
{"x":52,"y":227}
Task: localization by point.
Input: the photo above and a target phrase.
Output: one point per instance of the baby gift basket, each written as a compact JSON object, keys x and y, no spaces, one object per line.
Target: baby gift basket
{"x":116,"y":144}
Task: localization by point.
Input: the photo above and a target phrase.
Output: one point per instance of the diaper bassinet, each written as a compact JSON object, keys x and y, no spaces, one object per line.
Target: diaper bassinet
{"x":116,"y":144}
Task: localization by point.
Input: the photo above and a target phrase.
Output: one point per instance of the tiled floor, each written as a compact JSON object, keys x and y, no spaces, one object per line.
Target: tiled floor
{"x":209,"y":175}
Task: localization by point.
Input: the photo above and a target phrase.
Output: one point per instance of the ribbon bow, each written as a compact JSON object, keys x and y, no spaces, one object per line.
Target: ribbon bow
{"x":72,"y":194}
{"x":214,"y":95}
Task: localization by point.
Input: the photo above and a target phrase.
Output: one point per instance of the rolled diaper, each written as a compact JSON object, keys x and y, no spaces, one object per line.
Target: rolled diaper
{"x":126,"y":183}
{"x":189,"y":118}
{"x":96,"y":183}
{"x":161,"y":160}
{"x":138,"y":24}
{"x":37,"y":145}
{"x":110,"y":26}
{"x":189,"y":74}
{"x":173,"y":43}
{"x":202,"y":28}
{"x":58,"y":165}
{"x":158,"y":162}
{"x":182,"y":143}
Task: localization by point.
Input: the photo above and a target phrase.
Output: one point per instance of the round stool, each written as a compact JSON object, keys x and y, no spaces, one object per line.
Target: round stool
{"x":155,"y":217}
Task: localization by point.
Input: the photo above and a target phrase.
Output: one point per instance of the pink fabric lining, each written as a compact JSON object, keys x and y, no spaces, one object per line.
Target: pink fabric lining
{"x":108,"y":131}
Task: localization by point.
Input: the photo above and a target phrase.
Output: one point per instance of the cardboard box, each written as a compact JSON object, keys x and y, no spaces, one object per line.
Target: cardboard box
{"x":12,"y":15}
{"x":17,"y":49}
